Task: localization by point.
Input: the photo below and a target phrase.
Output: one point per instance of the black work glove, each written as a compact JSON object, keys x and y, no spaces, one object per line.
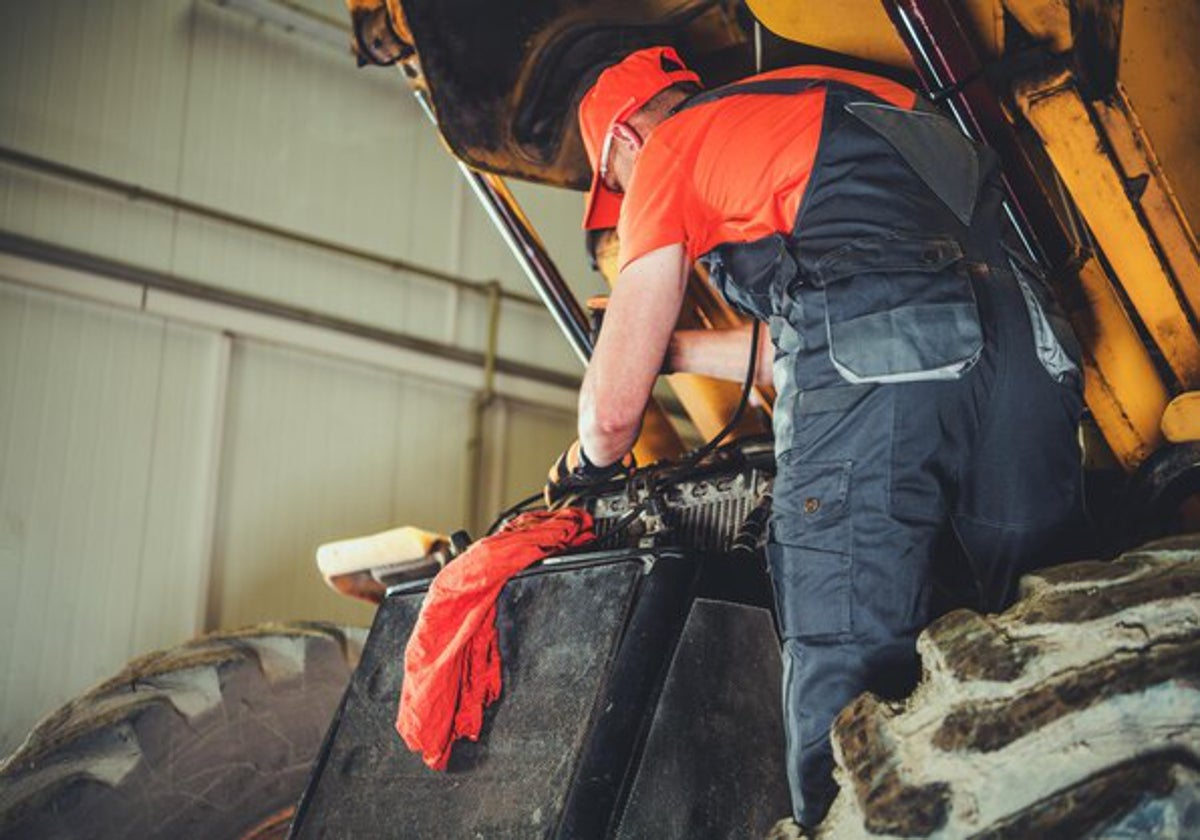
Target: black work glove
{"x":573,"y":472}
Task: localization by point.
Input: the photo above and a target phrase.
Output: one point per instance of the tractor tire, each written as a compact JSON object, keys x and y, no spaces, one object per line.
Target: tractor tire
{"x":1075,"y":714}
{"x":213,"y":739}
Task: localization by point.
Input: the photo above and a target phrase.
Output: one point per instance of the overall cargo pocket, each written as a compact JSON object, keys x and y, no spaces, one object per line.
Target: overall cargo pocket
{"x":1054,"y":341}
{"x":810,"y":553}
{"x":899,"y":309}
{"x":749,"y":275}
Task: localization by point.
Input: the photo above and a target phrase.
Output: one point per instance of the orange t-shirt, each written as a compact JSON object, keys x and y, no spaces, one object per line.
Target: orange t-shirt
{"x":733,"y":170}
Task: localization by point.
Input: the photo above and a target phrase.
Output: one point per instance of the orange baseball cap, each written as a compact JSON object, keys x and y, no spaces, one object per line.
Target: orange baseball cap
{"x":618,"y":92}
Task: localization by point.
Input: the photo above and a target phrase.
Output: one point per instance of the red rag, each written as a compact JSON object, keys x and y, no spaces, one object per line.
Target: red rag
{"x":452,"y":662}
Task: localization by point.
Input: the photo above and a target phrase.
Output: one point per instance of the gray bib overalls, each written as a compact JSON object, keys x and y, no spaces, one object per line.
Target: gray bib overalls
{"x":924,"y":385}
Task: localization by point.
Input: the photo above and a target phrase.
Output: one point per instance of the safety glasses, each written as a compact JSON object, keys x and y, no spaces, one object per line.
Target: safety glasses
{"x":628,"y":107}
{"x":605,"y":151}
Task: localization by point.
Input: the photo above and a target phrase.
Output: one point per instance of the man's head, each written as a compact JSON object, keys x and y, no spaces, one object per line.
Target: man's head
{"x":617,"y":114}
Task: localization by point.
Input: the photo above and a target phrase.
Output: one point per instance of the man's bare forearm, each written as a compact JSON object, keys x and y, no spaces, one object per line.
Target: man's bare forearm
{"x":641,"y":313}
{"x":723,"y":354}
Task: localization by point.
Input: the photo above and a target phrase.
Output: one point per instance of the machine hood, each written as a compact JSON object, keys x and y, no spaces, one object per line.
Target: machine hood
{"x":504,"y":77}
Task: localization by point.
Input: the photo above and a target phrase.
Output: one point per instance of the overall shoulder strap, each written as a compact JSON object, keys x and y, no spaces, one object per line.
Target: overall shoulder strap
{"x":763,"y":86}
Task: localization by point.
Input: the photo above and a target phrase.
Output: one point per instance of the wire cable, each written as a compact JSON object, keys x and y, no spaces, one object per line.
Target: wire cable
{"x":747,"y":386}
{"x":513,"y":510}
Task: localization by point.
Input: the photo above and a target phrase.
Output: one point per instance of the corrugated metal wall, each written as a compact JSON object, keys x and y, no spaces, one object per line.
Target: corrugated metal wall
{"x":169,"y":465}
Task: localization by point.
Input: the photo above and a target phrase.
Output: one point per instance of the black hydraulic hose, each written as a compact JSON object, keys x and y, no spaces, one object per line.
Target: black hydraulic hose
{"x":747,"y":386}
{"x":745,"y":542}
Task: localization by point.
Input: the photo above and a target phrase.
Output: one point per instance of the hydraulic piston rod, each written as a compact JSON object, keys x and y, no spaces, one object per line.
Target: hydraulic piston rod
{"x":529,"y":251}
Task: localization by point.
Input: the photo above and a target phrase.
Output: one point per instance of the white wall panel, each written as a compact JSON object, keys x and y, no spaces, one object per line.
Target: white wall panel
{"x":318,"y":281}
{"x":106,"y":420}
{"x":157,"y":477}
{"x":527,"y":440}
{"x":101,"y":85}
{"x":122,"y":431}
{"x":208,"y":104}
{"x":287,"y":131}
{"x":522,"y":335}
{"x":318,"y":450}
{"x":84,"y":219}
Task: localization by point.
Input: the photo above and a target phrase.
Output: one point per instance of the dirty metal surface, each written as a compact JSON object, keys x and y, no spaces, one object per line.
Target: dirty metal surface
{"x":714,"y":759}
{"x":629,"y":693}
{"x":557,"y":635}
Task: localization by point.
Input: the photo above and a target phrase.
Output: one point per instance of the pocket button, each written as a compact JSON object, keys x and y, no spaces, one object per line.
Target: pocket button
{"x":812,"y":504}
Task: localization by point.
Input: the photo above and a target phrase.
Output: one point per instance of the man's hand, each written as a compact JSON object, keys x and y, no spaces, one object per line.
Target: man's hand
{"x":573,"y":472}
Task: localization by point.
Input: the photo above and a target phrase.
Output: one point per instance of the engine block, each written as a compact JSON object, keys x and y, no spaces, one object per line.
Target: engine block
{"x":703,"y":509}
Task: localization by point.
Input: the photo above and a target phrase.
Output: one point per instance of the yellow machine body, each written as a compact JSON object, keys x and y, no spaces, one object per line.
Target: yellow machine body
{"x":1121,"y":168}
{"x":1130,"y":163}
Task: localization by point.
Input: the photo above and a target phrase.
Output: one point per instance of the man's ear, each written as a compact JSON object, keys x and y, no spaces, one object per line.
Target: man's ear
{"x":626,"y":134}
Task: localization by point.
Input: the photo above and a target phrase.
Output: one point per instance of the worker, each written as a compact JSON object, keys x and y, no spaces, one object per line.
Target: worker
{"x":925,"y":385}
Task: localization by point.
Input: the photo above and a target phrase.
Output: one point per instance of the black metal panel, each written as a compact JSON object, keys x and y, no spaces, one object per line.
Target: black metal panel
{"x":588,"y":642}
{"x":558,"y":633}
{"x":713,"y":763}
{"x":566,"y":674}
{"x":625,"y":706}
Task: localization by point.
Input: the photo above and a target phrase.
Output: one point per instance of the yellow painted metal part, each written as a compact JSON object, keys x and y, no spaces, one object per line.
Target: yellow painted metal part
{"x":1064,"y":123}
{"x":861,"y":28}
{"x":658,"y":439}
{"x":1159,"y":63}
{"x":709,"y":403}
{"x":1160,"y":73}
{"x":1158,"y":205}
{"x":1121,"y":385}
{"x":1181,"y":420}
{"x":1097,"y":149}
{"x":1100,"y":150}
